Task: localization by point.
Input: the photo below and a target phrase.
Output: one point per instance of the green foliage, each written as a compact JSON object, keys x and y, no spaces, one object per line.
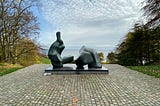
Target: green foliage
{"x":153,"y":70}
{"x":45,"y":60}
{"x":101,"y":55}
{"x":142,"y":43}
{"x":111,"y":57}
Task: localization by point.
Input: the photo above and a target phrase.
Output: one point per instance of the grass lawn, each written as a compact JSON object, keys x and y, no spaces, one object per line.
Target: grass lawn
{"x":6,"y":68}
{"x":153,"y":70}
{"x":7,"y":71}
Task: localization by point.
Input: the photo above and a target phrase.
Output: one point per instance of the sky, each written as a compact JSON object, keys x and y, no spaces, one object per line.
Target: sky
{"x":99,"y":24}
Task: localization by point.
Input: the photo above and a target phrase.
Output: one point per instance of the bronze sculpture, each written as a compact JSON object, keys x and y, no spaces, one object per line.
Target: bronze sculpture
{"x":55,"y":51}
{"x":88,"y":57}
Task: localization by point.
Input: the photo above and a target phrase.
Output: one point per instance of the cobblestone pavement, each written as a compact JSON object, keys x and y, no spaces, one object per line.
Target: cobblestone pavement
{"x":121,"y":87}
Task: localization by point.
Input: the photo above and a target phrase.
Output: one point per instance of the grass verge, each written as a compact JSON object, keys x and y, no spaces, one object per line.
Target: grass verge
{"x":45,"y":60}
{"x":7,"y":71}
{"x":152,"y":70}
{"x":6,"y":68}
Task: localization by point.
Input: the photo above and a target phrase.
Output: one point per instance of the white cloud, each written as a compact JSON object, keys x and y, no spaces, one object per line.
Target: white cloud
{"x":90,"y":22}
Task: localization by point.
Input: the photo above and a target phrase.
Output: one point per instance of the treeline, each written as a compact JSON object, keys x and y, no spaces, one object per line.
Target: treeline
{"x":18,"y":32}
{"x":142,"y":44}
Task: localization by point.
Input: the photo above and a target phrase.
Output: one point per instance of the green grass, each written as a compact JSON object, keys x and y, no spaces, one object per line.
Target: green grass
{"x":152,"y":70}
{"x":7,"y":71}
{"x":6,"y":68}
{"x":45,"y":60}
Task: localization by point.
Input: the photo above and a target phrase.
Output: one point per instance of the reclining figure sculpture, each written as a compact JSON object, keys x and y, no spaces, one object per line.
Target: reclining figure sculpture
{"x":55,"y":51}
{"x":88,"y":57}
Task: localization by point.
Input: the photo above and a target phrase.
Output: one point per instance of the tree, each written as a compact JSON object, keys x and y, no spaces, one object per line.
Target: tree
{"x":101,"y":55}
{"x":129,"y":51}
{"x":111,"y":57}
{"x":155,"y":43}
{"x":152,"y":11}
{"x":17,"y":23}
{"x":142,"y":44}
{"x":27,"y":56}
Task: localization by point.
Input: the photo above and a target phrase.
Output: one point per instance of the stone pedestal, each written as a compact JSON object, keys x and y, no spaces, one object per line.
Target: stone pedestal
{"x":71,"y":69}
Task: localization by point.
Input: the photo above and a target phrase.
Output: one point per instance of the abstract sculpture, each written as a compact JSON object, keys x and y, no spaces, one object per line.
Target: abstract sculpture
{"x":88,"y":57}
{"x":55,"y":51}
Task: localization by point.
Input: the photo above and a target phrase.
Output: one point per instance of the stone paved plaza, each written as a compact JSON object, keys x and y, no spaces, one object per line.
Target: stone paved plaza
{"x":121,"y":87}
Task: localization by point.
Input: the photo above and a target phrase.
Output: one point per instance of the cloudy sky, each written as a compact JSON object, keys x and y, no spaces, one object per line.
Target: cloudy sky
{"x":95,"y":23}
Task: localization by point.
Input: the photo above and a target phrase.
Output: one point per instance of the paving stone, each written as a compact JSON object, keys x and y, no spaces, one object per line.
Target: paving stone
{"x":121,"y":87}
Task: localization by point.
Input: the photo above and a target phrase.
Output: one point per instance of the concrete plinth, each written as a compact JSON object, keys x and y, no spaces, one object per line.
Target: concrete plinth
{"x":71,"y":69}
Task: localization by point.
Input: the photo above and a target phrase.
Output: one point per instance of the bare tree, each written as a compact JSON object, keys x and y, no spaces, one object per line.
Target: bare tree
{"x":17,"y":23}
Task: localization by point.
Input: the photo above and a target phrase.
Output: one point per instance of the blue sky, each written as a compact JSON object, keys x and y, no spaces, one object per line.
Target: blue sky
{"x":100,"y":24}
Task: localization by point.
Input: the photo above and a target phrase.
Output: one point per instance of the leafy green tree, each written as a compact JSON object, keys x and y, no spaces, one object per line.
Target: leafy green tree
{"x":142,"y":44}
{"x":111,"y":57}
{"x":101,"y":55}
{"x":129,"y":51}
{"x":155,"y":43}
{"x":144,"y":41}
{"x":134,"y":47}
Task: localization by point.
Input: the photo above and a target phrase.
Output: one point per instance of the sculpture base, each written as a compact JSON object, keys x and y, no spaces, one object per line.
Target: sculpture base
{"x":71,"y":69}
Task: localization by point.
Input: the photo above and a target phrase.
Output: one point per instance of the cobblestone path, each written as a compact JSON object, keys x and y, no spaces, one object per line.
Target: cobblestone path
{"x":121,"y":87}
